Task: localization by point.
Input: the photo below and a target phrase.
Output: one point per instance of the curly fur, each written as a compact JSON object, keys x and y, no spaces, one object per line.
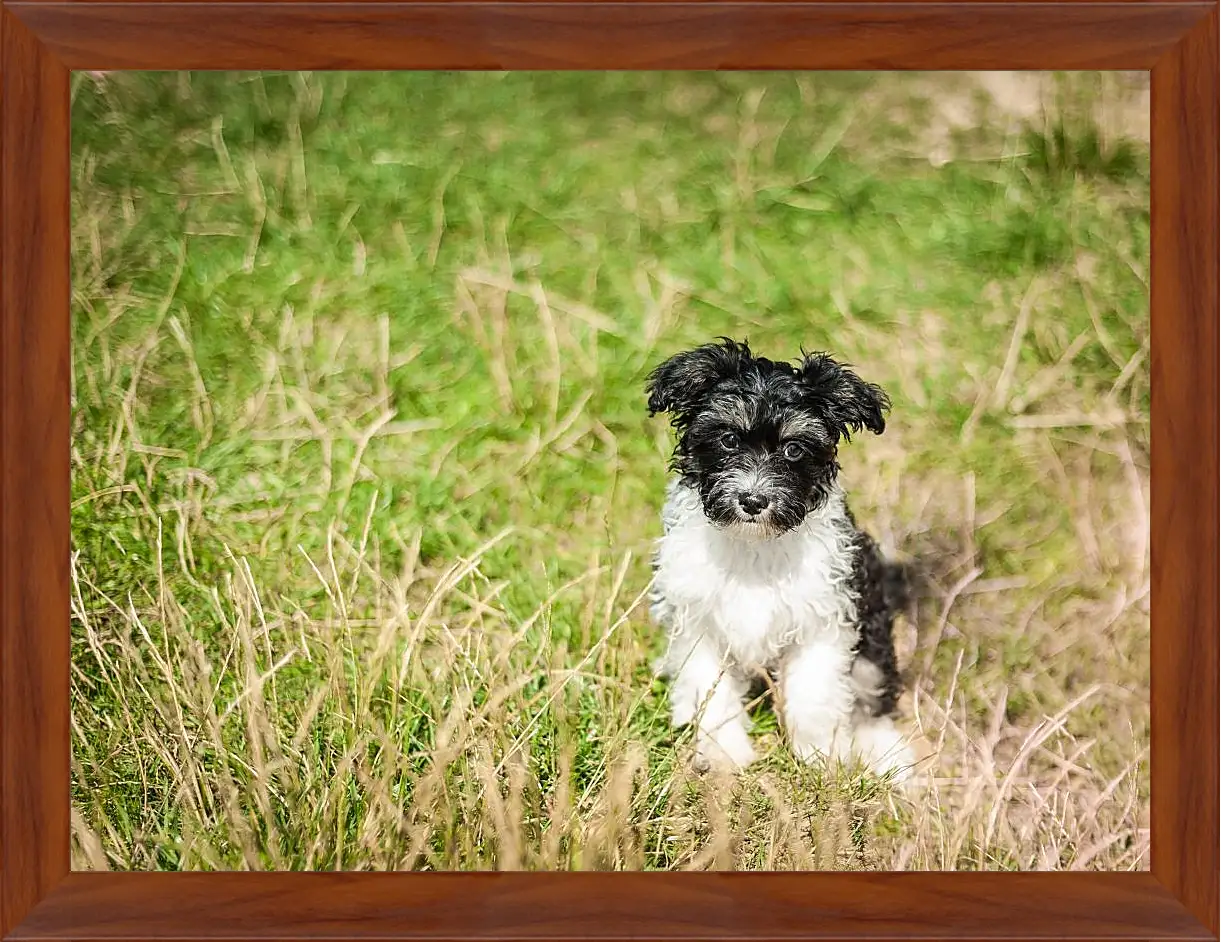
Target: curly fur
{"x":761,"y":566}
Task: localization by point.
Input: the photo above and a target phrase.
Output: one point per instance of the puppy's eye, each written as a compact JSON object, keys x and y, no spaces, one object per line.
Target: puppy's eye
{"x":728,"y":440}
{"x":793,"y":451}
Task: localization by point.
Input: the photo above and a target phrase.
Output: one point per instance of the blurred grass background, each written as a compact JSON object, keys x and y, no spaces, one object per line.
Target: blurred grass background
{"x":364,"y":484}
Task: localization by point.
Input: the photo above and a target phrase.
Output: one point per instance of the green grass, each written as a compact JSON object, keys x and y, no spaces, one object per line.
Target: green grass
{"x":364,"y":485}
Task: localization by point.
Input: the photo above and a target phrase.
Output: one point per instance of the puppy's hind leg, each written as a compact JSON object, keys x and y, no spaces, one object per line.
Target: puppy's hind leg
{"x":881,"y":745}
{"x":884,"y":589}
{"x":706,"y":692}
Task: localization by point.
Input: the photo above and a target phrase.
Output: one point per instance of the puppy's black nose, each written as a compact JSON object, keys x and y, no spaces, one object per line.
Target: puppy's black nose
{"x":752,"y":503}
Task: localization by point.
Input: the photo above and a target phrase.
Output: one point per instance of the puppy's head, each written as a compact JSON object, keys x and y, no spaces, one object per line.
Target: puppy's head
{"x":757,"y":438}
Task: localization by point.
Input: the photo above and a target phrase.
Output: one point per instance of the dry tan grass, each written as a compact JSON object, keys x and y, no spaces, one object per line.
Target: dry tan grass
{"x":1026,"y":794}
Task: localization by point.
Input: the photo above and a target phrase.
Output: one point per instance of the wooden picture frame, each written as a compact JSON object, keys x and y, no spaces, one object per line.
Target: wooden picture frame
{"x":42,"y":41}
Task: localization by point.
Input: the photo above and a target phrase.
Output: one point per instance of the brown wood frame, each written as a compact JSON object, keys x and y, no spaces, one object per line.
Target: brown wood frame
{"x":41,"y":41}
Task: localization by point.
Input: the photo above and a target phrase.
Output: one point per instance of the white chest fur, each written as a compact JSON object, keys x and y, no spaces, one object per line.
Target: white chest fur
{"x":754,"y":596}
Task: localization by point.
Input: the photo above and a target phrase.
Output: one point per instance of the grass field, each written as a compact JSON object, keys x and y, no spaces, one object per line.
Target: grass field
{"x":364,"y":485}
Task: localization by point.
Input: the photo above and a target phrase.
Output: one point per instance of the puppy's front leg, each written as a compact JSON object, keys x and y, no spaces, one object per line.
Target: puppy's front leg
{"x":705,"y":691}
{"x":817,"y":699}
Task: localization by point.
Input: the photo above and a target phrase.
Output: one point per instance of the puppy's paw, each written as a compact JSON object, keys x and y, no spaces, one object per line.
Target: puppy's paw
{"x":887,"y":751}
{"x":898,"y":764}
{"x":729,"y":749}
{"x":809,"y":752}
{"x":683,"y":709}
{"x":820,"y":748}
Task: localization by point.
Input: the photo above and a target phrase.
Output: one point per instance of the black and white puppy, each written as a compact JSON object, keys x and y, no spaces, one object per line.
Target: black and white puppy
{"x":762,"y":567}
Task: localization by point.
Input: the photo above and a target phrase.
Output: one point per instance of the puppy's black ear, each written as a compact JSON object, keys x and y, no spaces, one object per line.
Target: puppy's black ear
{"x":678,"y":384}
{"x":847,"y":401}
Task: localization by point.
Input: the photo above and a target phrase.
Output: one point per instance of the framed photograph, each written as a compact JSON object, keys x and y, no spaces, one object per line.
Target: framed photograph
{"x":765,"y":450}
